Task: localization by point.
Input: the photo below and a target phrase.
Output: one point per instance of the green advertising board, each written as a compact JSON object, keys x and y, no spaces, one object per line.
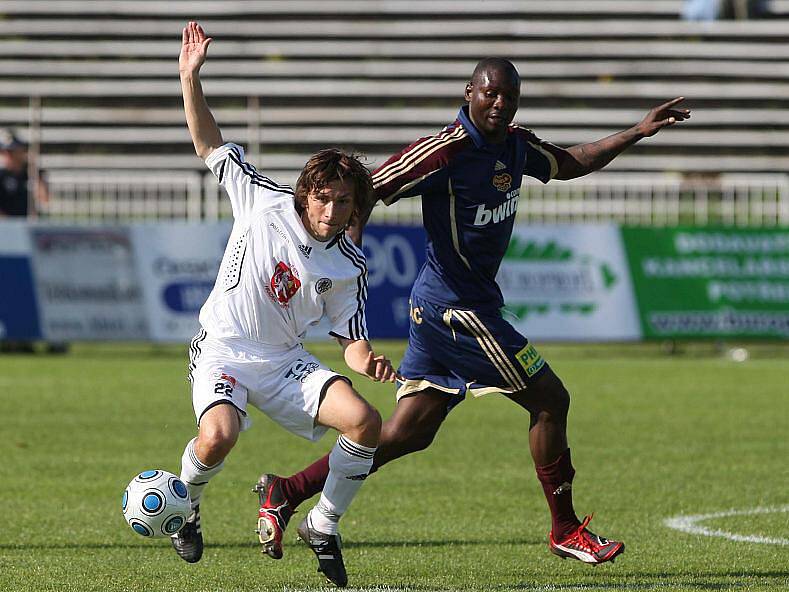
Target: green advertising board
{"x":710,"y":282}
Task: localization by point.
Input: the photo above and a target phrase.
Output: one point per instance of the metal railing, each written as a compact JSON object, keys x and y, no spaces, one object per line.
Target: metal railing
{"x":728,"y":200}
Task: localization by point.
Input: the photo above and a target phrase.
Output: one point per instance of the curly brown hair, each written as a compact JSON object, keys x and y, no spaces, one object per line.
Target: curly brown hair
{"x":330,"y":165}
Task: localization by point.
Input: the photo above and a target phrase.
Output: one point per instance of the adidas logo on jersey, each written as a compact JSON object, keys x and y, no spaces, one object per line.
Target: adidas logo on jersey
{"x":306,"y":250}
{"x":500,"y":166}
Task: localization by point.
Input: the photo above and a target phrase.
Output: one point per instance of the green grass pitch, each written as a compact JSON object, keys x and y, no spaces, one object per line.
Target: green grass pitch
{"x":653,"y":436}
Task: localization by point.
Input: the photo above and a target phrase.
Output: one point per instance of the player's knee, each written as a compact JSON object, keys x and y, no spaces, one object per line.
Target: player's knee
{"x":371,"y":421}
{"x":365,"y":424}
{"x":410,"y":438}
{"x":215,"y":442}
{"x":560,"y":401}
{"x":551,"y":397}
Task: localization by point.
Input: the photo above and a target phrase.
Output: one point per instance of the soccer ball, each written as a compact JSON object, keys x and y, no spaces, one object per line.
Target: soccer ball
{"x":156,"y":504}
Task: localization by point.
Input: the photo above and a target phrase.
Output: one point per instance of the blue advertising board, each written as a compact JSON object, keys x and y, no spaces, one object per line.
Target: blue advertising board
{"x":18,"y":309}
{"x":395,"y":254}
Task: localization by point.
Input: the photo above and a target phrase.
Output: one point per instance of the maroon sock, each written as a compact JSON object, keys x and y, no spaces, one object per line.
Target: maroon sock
{"x":304,"y":484}
{"x":556,"y":479}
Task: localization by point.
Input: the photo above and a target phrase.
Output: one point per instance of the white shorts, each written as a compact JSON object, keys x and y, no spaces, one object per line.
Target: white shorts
{"x":285,"y":384}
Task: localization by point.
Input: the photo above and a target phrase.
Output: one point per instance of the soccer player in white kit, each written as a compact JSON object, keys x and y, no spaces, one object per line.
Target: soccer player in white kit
{"x":287,"y":264}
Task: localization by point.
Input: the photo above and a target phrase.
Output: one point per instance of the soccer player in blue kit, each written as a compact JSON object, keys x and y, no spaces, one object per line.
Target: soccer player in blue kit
{"x":469,"y":176}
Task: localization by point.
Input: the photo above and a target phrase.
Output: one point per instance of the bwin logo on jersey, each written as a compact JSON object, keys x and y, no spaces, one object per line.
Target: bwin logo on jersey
{"x":497,"y":214}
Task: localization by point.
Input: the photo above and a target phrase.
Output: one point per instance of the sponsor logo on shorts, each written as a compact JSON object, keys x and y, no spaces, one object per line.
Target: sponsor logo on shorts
{"x":301,"y":370}
{"x":502,"y":181}
{"x":284,"y":284}
{"x":323,"y":285}
{"x":530,"y":359}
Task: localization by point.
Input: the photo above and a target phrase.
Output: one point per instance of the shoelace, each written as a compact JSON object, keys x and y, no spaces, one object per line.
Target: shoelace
{"x":578,"y":537}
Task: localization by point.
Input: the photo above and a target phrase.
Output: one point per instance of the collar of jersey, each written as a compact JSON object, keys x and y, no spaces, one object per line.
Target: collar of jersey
{"x":476,"y":136}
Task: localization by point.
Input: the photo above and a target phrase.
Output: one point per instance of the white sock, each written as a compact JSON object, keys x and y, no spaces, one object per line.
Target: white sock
{"x":195,"y":474}
{"x":349,"y":465}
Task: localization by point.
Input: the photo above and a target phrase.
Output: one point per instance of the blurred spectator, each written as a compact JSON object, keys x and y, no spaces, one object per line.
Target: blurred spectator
{"x":14,"y":189}
{"x":702,"y":10}
{"x":15,"y":201}
{"x":711,"y":10}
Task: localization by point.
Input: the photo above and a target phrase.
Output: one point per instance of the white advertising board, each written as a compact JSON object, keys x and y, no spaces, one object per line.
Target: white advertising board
{"x":177,"y":264}
{"x":86,"y":283}
{"x":569,"y":282}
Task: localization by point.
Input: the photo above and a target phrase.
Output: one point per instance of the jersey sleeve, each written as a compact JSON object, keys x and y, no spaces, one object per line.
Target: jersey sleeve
{"x":542,"y":158}
{"x":413,"y":171}
{"x":243,"y":183}
{"x":345,"y":305}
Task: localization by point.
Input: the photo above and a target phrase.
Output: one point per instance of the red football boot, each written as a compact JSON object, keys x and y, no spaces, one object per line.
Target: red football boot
{"x":586,"y":546}
{"x":273,"y":516}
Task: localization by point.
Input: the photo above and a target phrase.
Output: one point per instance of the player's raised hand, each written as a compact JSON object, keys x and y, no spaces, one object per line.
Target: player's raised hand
{"x":662,"y":116}
{"x":194,"y":48}
{"x":379,"y":368}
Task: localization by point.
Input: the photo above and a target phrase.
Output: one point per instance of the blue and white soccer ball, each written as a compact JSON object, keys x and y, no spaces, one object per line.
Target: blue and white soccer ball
{"x":156,"y":504}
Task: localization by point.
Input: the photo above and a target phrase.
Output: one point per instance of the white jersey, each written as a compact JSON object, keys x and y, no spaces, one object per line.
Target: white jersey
{"x":276,"y":279}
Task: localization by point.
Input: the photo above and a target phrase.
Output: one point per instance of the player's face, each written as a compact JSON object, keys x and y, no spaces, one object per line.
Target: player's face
{"x":493,"y":100}
{"x":329,"y":210}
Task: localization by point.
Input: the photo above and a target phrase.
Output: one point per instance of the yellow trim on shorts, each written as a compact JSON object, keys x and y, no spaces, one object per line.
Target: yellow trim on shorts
{"x":411,"y":386}
{"x":491,"y":390}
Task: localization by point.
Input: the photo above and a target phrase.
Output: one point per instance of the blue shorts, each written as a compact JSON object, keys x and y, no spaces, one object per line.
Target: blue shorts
{"x":461,"y":351}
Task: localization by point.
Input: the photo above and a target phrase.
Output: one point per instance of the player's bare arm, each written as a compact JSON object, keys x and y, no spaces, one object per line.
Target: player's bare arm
{"x":205,"y":133}
{"x":583,"y":159}
{"x":362,"y":359}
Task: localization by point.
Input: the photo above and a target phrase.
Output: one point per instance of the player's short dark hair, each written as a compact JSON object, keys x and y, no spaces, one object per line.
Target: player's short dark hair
{"x":495,"y":63}
{"x":331,"y":165}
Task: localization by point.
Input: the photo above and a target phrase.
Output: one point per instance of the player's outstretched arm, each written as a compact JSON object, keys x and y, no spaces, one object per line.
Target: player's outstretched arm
{"x":362,"y":359}
{"x":205,"y":133}
{"x":583,"y":159}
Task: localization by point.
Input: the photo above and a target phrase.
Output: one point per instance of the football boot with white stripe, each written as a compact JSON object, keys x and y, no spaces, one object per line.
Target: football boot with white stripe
{"x":273,"y":516}
{"x":327,"y":548}
{"x":586,"y":546}
{"x":188,"y":542}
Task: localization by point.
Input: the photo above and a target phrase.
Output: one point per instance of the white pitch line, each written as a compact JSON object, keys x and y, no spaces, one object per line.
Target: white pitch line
{"x":689,"y":524}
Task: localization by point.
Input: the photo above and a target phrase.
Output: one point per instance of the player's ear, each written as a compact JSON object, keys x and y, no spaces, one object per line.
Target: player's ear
{"x":469,"y":88}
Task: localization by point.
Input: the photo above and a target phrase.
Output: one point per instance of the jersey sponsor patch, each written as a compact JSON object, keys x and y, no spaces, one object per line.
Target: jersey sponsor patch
{"x":284,"y":283}
{"x":530,"y":359}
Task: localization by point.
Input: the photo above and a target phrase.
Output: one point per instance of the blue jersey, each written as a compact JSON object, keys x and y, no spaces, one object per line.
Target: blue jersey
{"x":469,"y":192}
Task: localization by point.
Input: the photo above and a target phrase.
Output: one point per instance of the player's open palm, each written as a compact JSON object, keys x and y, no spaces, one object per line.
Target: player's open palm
{"x":194,"y":48}
{"x":663,"y":116}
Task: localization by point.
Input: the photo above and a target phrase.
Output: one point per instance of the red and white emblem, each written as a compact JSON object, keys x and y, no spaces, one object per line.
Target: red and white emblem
{"x":284,"y":283}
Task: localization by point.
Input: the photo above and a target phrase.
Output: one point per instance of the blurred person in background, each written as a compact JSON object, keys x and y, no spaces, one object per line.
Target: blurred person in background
{"x":15,"y":197}
{"x":16,"y":201}
{"x":712,"y":10}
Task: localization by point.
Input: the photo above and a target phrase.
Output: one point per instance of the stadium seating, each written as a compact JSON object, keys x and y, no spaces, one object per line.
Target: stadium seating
{"x":95,"y":83}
